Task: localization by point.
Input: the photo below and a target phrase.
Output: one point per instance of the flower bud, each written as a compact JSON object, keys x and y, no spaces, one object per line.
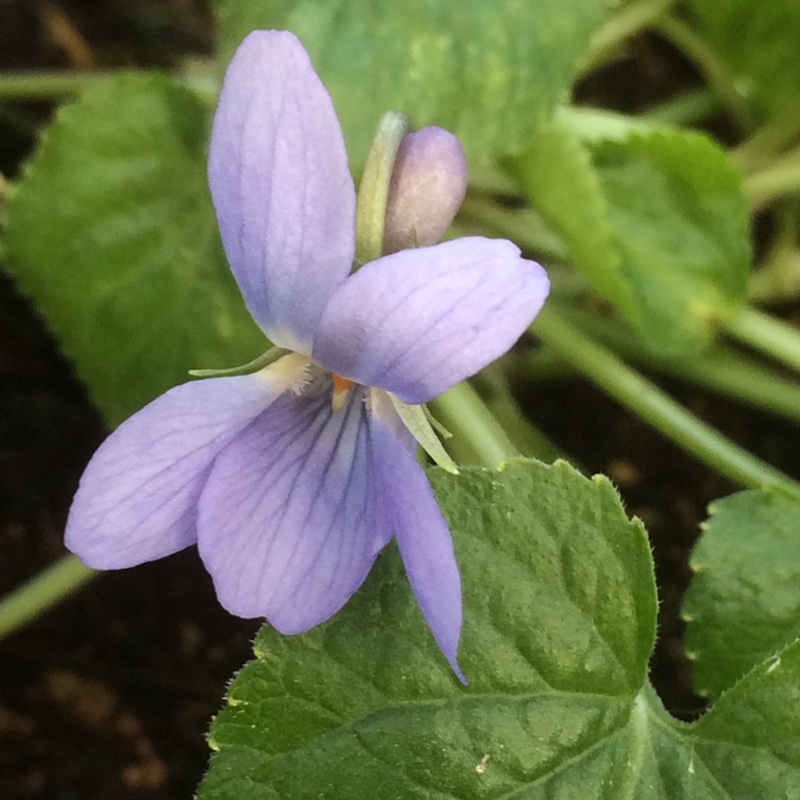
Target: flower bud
{"x":429,"y":181}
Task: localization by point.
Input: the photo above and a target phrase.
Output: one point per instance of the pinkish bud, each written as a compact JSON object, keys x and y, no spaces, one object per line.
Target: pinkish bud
{"x":429,"y":181}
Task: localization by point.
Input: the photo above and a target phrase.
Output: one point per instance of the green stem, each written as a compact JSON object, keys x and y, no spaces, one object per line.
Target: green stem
{"x":48,"y":85}
{"x":625,"y":23}
{"x":780,"y":178}
{"x":722,"y":369}
{"x":683,"y":110}
{"x":656,"y":407}
{"x":544,"y":363}
{"x":767,"y":334}
{"x":778,"y":276}
{"x":41,"y":592}
{"x":720,"y":78}
{"x":494,"y":390}
{"x":773,"y":137}
{"x":58,"y":85}
{"x":478,"y":438}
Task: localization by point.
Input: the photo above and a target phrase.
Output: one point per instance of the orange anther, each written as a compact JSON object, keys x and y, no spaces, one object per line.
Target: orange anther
{"x":341,"y":384}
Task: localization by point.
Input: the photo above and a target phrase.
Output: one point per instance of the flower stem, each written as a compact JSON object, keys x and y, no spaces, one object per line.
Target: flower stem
{"x":778,"y":276}
{"x":493,"y":386}
{"x":42,"y":592}
{"x":767,"y":334}
{"x":628,"y":21}
{"x":723,"y":369}
{"x":716,"y":72}
{"x":478,"y":438}
{"x":48,"y":85}
{"x":59,"y":85}
{"x":775,"y":135}
{"x":685,"y":109}
{"x":782,"y":177}
{"x":656,"y":407}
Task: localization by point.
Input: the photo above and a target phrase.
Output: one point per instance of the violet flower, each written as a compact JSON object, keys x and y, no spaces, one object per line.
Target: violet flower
{"x":292,"y":479}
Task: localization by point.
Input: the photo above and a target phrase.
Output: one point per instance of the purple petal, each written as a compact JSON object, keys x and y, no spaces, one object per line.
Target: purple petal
{"x":282,"y":190}
{"x":289,"y":523}
{"x":423,"y":537}
{"x":136,"y":500}
{"x":418,"y":321}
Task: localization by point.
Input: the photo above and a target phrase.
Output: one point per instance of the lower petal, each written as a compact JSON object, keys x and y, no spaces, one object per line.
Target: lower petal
{"x":423,"y":537}
{"x":136,"y":499}
{"x":289,"y":525}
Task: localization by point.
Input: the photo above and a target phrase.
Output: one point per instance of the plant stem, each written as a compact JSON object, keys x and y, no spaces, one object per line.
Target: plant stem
{"x":716,"y":72}
{"x":478,"y":438}
{"x":656,"y":407}
{"x":722,"y":369}
{"x":49,"y":85}
{"x":775,"y":135}
{"x":778,"y":277}
{"x":59,"y":85}
{"x":780,"y":178}
{"x":682,"y":110}
{"x":42,"y":592}
{"x":628,"y":21}
{"x":492,"y":383}
{"x":767,"y":334}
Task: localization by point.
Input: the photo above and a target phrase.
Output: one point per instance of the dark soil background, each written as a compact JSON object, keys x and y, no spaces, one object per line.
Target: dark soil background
{"x":109,"y":695}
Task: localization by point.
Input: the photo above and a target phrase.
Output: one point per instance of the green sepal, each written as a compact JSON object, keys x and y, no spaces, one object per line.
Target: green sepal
{"x":264,"y":360}
{"x":416,"y":419}
{"x":437,"y":426}
{"x":373,"y":191}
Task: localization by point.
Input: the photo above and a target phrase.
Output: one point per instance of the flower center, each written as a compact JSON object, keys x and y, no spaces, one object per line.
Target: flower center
{"x":341,"y":388}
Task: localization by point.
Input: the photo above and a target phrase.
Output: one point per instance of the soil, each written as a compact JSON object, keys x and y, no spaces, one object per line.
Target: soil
{"x":109,"y":695}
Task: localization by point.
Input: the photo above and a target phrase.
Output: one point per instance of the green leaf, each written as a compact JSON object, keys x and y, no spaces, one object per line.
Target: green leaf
{"x":759,"y":39}
{"x":565,"y":188}
{"x":743,"y":604}
{"x":559,"y":622}
{"x":112,"y":234}
{"x":656,"y":221}
{"x":749,"y":743}
{"x":488,"y":70}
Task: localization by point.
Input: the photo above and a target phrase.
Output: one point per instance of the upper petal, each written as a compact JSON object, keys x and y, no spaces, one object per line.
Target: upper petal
{"x":418,"y":321}
{"x":136,"y":499}
{"x":423,"y":538}
{"x":289,"y":521}
{"x":281,"y":187}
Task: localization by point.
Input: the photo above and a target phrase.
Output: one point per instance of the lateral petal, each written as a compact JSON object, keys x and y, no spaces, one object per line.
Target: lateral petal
{"x":426,"y":545}
{"x":136,"y":499}
{"x":281,"y":186}
{"x":418,"y":321}
{"x":289,"y":524}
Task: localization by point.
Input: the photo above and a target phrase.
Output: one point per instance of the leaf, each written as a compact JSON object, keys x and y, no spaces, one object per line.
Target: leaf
{"x":749,"y":740}
{"x":488,"y":70}
{"x":565,"y":188}
{"x":759,"y":39}
{"x":655,"y":220}
{"x":560,"y":614}
{"x":743,"y":604}
{"x":112,"y":234}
